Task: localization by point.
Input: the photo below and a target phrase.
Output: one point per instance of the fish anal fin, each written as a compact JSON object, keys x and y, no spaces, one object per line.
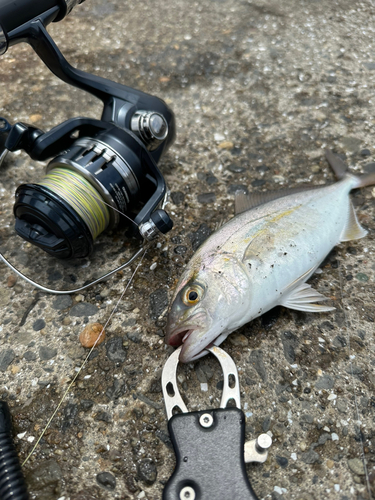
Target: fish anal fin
{"x":303,"y":298}
{"x":353,"y":230}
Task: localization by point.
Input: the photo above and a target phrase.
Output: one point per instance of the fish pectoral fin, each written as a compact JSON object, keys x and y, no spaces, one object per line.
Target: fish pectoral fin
{"x":303,"y":298}
{"x":299,"y":282}
{"x":353,"y":229}
{"x":219,"y":223}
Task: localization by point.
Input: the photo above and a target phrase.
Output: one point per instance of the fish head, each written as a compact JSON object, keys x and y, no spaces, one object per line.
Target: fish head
{"x":204,"y":309}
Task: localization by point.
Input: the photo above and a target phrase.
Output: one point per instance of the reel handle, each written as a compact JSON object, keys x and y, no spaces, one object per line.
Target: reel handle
{"x":20,"y":12}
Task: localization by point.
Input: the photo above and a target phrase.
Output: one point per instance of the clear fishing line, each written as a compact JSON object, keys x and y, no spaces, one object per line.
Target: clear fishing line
{"x":70,"y":385}
{"x":81,"y":196}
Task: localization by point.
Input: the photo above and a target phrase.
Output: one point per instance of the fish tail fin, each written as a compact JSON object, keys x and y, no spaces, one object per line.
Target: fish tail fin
{"x":341,"y":170}
{"x":365,"y":180}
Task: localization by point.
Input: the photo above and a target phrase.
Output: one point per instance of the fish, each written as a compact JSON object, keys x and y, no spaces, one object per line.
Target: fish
{"x":262,"y":258}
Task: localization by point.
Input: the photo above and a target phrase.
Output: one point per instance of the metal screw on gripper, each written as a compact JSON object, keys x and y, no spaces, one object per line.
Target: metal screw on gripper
{"x":187,"y":493}
{"x":206,"y":420}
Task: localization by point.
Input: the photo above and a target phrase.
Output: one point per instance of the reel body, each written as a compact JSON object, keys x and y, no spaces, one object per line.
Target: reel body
{"x":100,"y":169}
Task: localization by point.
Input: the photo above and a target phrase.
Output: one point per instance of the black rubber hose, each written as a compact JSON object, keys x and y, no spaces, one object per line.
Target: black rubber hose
{"x":12,"y":482}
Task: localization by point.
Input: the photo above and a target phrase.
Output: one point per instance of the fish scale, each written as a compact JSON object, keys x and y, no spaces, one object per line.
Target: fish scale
{"x":260,"y":259}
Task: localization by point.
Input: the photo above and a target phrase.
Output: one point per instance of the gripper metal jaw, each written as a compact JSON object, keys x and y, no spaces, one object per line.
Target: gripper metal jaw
{"x":210,"y":445}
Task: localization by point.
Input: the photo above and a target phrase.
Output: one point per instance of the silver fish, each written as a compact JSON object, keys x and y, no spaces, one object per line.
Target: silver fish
{"x":260,"y":259}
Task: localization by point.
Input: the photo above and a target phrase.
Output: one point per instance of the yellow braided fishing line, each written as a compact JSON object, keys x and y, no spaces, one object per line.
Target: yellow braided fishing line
{"x":81,"y":196}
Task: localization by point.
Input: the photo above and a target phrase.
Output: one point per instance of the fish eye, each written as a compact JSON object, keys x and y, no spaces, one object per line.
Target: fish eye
{"x":192,"y":295}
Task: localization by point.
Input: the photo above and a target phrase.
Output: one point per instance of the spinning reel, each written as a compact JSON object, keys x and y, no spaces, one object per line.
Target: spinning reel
{"x":99,"y":168}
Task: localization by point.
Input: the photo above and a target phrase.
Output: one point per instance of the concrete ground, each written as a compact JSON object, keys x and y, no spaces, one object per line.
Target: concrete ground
{"x":259,"y":89}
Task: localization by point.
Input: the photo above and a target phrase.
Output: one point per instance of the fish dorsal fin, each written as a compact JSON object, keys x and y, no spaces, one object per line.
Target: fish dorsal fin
{"x":244,"y":202}
{"x":353,"y":229}
{"x":303,"y":298}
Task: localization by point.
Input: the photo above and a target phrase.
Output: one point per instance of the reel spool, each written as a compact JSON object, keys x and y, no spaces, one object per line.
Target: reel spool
{"x":101,"y":169}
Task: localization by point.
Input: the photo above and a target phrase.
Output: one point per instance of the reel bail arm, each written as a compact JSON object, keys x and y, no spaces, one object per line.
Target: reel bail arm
{"x":124,"y":106}
{"x":111,"y":162}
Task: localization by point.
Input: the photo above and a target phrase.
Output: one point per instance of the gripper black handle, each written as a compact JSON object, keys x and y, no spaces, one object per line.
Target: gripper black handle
{"x":210,"y":460}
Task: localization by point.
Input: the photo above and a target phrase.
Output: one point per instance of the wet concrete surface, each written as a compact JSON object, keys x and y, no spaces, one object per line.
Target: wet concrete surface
{"x":259,"y":89}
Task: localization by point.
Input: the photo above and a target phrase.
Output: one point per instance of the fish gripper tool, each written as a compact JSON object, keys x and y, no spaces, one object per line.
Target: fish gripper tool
{"x":210,"y":445}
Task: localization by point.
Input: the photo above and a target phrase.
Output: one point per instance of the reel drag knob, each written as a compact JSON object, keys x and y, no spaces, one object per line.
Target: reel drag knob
{"x":159,"y":222}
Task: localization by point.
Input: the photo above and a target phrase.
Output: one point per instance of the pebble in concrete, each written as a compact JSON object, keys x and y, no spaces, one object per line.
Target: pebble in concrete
{"x":45,"y":479}
{"x":83,"y":309}
{"x":146,"y":470}
{"x":134,"y":337}
{"x":206,"y":198}
{"x":39,"y":324}
{"x":356,"y":466}
{"x":29,"y":356}
{"x":4,"y":297}
{"x":325,"y":382}
{"x":115,"y":350}
{"x":46,"y":352}
{"x":310,"y":457}
{"x":62,"y":302}
{"x":107,"y":480}
{"x":177,"y":197}
{"x":6,"y":358}
{"x":158,"y":302}
{"x":235,"y":188}
{"x":256,"y":359}
{"x":290,"y":342}
{"x":282,"y":461}
{"x":118,"y":389}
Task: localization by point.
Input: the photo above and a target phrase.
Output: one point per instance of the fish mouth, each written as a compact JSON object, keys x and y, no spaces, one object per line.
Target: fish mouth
{"x":194,"y":341}
{"x":180,"y":335}
{"x":194,"y":336}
